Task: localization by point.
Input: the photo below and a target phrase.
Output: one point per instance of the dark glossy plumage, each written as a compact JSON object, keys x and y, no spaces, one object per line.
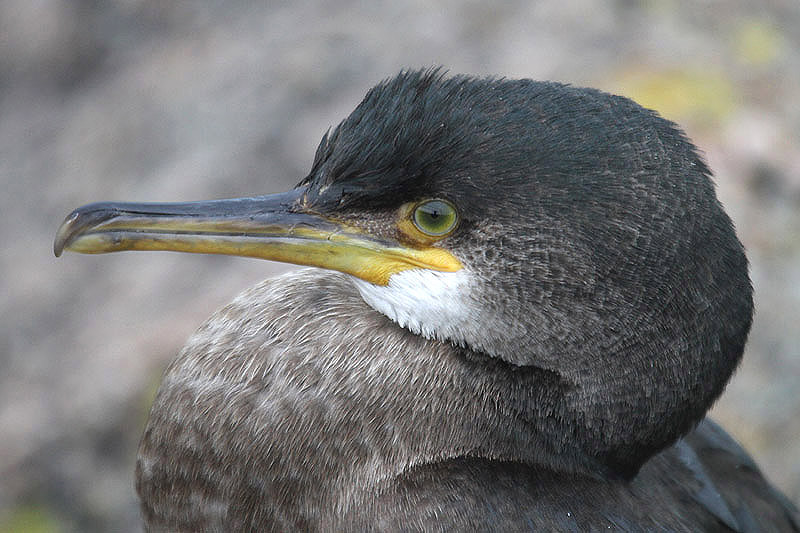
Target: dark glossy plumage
{"x":607,"y":303}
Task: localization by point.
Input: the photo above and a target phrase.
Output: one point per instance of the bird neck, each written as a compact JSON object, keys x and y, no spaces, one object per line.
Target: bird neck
{"x":322,"y":393}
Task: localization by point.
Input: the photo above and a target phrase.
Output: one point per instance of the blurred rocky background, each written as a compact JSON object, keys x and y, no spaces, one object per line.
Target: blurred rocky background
{"x":146,"y":100}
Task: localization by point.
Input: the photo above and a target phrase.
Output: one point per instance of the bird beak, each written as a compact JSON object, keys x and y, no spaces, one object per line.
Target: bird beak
{"x":275,"y":227}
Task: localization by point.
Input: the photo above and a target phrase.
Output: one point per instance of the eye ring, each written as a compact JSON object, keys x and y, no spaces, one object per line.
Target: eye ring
{"x":435,"y":218}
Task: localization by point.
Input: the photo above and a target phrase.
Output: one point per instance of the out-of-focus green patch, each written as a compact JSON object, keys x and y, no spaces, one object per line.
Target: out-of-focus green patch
{"x":29,"y":519}
{"x":758,"y":43}
{"x":702,"y":98}
{"x":659,"y":7}
{"x":146,"y":399}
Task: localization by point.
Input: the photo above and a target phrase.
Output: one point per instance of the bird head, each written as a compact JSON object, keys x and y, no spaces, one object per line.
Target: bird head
{"x":532,"y":224}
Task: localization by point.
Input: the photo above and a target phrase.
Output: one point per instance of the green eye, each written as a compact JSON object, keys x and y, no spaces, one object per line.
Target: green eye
{"x":435,"y":217}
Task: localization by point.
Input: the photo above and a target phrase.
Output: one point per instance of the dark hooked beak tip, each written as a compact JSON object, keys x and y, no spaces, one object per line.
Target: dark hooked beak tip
{"x":79,"y":220}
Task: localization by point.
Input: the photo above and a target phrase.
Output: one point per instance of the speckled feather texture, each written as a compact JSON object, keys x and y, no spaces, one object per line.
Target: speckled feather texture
{"x":605,"y":304}
{"x":325,"y":416}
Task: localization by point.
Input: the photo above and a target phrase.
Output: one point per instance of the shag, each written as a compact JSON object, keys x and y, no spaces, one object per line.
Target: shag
{"x":531,"y":297}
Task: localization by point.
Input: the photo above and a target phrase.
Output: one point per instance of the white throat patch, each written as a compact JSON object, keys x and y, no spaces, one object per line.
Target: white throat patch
{"x":433,"y":304}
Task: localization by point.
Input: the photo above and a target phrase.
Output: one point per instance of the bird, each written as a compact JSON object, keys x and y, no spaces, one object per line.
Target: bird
{"x":520,"y":300}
